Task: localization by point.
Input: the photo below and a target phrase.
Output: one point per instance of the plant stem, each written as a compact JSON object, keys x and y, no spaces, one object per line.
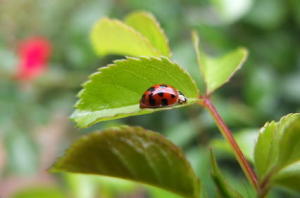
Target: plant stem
{"x":250,"y":174}
{"x":264,"y":188}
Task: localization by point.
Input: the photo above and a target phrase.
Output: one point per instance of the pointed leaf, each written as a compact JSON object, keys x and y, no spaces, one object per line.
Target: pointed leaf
{"x":148,"y":26}
{"x":218,"y":71}
{"x":132,"y":153}
{"x":115,"y":91}
{"x":111,"y":36}
{"x":277,"y":152}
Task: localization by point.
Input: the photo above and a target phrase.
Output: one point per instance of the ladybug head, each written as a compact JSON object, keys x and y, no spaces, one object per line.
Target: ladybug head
{"x":181,"y":98}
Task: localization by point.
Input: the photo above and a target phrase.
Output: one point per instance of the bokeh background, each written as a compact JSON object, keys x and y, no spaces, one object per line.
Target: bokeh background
{"x":35,"y":101}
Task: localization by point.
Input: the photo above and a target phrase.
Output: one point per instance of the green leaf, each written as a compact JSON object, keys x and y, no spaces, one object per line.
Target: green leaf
{"x":217,"y":71}
{"x":132,"y":153}
{"x":140,"y":35}
{"x":277,"y":152}
{"x":148,"y":26}
{"x":266,"y":148}
{"x":111,"y":36}
{"x":289,"y":145}
{"x":224,"y":189}
{"x":115,"y":91}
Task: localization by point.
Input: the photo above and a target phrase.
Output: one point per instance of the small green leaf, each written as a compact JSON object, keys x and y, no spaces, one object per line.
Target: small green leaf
{"x":277,"y":152}
{"x":266,"y":149}
{"x":111,"y":36}
{"x":140,"y":35}
{"x":224,"y":189}
{"x":132,"y":153}
{"x":115,"y":91}
{"x":218,"y":71}
{"x":148,"y":26}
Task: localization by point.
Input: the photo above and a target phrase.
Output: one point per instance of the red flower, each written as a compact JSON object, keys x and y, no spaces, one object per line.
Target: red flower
{"x":33,"y":58}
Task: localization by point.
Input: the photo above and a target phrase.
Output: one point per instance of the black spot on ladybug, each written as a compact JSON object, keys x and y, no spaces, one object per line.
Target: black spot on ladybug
{"x":151,"y":89}
{"x":164,"y":102}
{"x":161,"y":94}
{"x":152,"y":101}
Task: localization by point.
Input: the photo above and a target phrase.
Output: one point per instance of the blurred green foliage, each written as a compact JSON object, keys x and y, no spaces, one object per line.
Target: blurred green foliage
{"x":266,"y":88}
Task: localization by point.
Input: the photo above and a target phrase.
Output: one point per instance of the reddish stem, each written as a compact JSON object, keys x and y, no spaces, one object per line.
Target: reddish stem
{"x":250,"y":174}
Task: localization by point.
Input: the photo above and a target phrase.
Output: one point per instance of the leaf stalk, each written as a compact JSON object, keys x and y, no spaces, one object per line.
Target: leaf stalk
{"x":226,"y":132}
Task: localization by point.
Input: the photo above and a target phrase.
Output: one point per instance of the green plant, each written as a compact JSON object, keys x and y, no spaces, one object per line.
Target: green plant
{"x":144,"y":156}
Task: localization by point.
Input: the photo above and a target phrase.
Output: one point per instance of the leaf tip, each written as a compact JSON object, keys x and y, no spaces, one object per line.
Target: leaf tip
{"x":245,"y":53}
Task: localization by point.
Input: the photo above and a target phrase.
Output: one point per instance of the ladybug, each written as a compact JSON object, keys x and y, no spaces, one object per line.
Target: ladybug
{"x":161,"y":95}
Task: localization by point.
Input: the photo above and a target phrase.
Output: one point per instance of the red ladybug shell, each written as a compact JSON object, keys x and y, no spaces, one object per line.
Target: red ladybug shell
{"x":161,"y":95}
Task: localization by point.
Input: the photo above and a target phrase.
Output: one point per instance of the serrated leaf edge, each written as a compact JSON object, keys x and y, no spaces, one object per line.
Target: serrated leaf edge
{"x":150,"y":15}
{"x":126,"y":27}
{"x":74,"y":116}
{"x":274,"y":169}
{"x":129,"y":58}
